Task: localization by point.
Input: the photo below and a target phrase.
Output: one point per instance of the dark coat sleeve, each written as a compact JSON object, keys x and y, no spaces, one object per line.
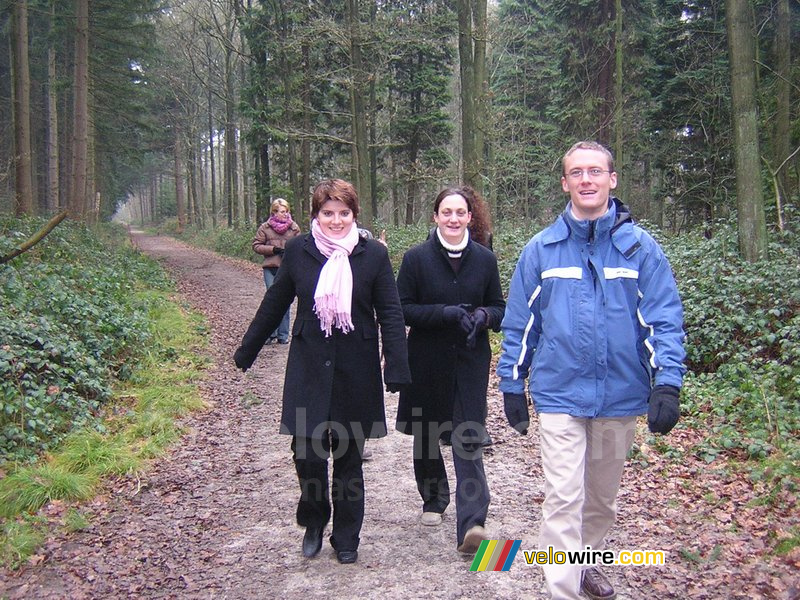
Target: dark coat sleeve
{"x":390,"y":319}
{"x":274,"y":305}
{"x":493,"y":301}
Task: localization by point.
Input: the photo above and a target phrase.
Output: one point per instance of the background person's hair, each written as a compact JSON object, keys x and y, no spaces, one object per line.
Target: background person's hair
{"x":334,"y":189}
{"x":276,"y":204}
{"x":588,"y":145}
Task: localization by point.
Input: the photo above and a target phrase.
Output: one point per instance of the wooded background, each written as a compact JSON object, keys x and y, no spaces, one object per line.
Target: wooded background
{"x":205,"y":110}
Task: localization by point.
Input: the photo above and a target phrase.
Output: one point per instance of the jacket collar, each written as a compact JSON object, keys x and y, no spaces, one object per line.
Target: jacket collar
{"x":616,"y":223}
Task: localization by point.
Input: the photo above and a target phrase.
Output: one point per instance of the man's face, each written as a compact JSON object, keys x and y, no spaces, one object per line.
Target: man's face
{"x":588,"y":182}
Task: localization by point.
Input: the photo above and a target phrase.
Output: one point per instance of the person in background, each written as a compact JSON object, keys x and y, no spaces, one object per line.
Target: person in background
{"x":595,"y":324}
{"x":270,"y":242}
{"x":333,"y":393}
{"x":450,"y":291}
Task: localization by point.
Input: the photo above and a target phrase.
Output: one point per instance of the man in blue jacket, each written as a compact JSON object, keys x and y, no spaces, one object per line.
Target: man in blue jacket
{"x":595,"y":324}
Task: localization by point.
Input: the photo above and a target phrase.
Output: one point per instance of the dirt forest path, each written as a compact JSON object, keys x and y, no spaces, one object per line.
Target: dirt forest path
{"x":215,"y":517}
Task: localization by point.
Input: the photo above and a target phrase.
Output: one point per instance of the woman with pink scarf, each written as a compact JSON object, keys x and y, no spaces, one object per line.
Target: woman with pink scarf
{"x":270,"y":242}
{"x":333,"y":390}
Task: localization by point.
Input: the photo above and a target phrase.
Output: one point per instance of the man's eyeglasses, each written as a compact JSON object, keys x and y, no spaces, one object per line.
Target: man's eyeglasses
{"x":592,"y":173}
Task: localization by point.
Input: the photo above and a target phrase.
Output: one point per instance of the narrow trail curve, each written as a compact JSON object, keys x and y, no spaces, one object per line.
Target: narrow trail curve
{"x":215,"y":517}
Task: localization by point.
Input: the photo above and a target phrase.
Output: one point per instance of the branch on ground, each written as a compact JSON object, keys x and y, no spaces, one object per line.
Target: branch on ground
{"x":36,"y":238}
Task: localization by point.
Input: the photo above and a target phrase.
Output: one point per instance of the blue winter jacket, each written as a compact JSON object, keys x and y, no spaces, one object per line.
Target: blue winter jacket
{"x":593,"y":318}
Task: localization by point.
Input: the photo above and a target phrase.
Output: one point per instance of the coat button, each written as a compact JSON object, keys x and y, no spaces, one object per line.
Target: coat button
{"x":327,"y":363}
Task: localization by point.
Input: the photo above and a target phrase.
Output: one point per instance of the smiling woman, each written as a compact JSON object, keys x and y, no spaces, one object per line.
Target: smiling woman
{"x":333,"y":393}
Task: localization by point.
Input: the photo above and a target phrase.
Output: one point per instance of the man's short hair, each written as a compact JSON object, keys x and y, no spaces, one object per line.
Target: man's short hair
{"x":589,"y":145}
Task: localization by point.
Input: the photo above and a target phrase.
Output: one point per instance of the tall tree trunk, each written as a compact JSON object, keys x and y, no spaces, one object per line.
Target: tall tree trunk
{"x":749,"y":192}
{"x":154,"y":198}
{"x":373,"y":129}
{"x":53,"y":203}
{"x":92,"y":193}
{"x":23,"y":172}
{"x":231,"y":164}
{"x":619,"y":103}
{"x":605,"y":80}
{"x":243,"y":160}
{"x":305,"y":148}
{"x":211,"y":142}
{"x":360,"y":167}
{"x":469,"y":153}
{"x":266,"y":183}
{"x":783,"y":129}
{"x":180,"y":201}
{"x":481,"y":92}
{"x":80,"y":127}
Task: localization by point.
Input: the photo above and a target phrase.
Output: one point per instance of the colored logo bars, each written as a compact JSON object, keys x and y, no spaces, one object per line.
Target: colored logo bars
{"x":495,"y":555}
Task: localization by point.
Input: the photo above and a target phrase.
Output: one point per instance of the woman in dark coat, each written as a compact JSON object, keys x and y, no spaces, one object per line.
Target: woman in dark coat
{"x":450,"y":291}
{"x":333,"y":394}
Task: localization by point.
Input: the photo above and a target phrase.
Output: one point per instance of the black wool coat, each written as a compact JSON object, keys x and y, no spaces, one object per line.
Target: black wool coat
{"x":441,"y":364}
{"x":334,"y":382}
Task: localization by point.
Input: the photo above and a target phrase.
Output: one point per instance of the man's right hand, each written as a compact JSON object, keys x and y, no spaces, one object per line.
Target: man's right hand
{"x":516,"y":407}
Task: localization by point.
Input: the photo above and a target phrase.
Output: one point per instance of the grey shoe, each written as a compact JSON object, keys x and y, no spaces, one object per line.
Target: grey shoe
{"x":472,"y":540}
{"x":431,"y":519}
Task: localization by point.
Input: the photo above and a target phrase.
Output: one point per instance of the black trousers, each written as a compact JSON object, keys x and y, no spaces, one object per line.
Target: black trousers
{"x":346,"y":491}
{"x":472,"y":489}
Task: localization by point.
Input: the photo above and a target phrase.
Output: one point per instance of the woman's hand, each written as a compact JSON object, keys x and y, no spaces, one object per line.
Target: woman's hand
{"x":457,"y":315}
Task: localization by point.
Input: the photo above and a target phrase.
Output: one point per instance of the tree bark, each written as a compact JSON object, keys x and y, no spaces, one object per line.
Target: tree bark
{"x":783,"y":65}
{"x":211,"y":142}
{"x":360,"y":154}
{"x":470,"y":161}
{"x":23,"y":172}
{"x":749,"y":192}
{"x":80,"y":128}
{"x":53,"y":202}
{"x":180,"y":201}
{"x":619,"y":102}
{"x":305,"y":148}
{"x":481,"y":91}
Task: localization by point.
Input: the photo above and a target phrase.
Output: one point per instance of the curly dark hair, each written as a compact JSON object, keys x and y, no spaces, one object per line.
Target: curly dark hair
{"x":480,"y":227}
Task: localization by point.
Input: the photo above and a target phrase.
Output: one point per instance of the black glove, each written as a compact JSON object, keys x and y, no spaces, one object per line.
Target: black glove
{"x":242,"y":361}
{"x":664,"y":409}
{"x":393,"y":388}
{"x":480,"y":320}
{"x":277,"y":251}
{"x":516,"y":407}
{"x":453,"y":315}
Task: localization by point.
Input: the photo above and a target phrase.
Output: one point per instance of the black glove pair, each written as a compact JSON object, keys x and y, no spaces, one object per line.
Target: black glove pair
{"x":516,"y":408}
{"x":663,"y":408}
{"x":662,"y":413}
{"x":471,"y":322}
{"x":277,"y":251}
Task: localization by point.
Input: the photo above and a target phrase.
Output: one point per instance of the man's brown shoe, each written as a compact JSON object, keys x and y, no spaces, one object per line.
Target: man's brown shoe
{"x":595,"y":585}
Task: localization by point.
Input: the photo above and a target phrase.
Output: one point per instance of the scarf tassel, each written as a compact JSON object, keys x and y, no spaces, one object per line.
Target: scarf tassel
{"x":329,"y":317}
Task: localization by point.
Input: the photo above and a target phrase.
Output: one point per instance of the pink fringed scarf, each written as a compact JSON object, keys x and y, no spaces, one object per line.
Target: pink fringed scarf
{"x":333,"y":298}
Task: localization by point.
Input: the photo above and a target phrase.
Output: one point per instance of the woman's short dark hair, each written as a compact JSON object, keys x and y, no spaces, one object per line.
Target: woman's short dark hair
{"x":334,"y":189}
